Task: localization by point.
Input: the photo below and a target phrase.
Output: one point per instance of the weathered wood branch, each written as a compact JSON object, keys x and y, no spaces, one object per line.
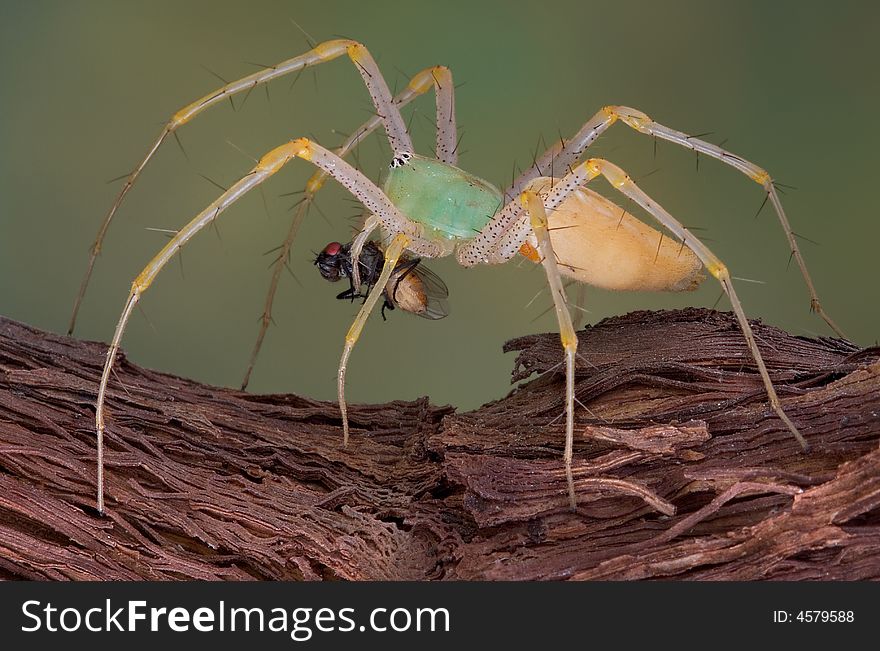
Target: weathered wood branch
{"x":682,"y":471}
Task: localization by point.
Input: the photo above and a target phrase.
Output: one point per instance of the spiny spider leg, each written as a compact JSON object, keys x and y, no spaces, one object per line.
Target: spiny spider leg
{"x":354,"y":181}
{"x":623,"y":183}
{"x":538,"y":221}
{"x":496,"y":245}
{"x":437,"y":77}
{"x":388,"y":112}
{"x":392,"y":254}
{"x":562,"y":156}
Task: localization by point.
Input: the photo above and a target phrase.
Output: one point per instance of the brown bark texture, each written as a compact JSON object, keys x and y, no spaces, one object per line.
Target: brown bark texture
{"x":681,"y":468}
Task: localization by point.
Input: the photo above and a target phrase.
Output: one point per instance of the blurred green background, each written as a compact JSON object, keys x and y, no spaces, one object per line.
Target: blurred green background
{"x":85,"y":87}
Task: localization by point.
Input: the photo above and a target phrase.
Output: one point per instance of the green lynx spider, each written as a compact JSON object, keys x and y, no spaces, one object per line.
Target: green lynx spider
{"x":431,"y":208}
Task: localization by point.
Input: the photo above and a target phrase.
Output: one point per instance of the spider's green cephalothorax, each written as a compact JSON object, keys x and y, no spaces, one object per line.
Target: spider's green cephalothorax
{"x":446,"y":199}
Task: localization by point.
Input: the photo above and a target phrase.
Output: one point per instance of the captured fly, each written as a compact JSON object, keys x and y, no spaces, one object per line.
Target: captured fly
{"x":412,"y":287}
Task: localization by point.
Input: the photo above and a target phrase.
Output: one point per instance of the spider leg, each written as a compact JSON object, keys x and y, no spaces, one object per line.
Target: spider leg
{"x":447,"y":133}
{"x":353,"y":180}
{"x":392,"y":254}
{"x":357,"y":245}
{"x":437,"y":77}
{"x":594,"y":167}
{"x":501,"y":239}
{"x":538,"y":221}
{"x":644,"y":124}
{"x":620,"y":180}
{"x":484,"y":248}
{"x":388,"y":114}
{"x":563,"y":156}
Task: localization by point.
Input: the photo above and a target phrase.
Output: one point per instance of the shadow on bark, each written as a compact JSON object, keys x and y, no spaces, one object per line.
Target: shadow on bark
{"x":682,"y":470}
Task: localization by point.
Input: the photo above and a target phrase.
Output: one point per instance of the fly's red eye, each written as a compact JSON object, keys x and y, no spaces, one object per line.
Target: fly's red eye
{"x":332,"y":248}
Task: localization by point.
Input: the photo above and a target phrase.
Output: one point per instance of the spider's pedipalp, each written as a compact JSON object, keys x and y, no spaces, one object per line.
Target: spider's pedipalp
{"x":357,"y":246}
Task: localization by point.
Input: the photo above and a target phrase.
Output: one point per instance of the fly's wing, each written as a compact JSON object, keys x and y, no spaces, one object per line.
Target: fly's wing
{"x":436,"y":292}
{"x":415,"y":288}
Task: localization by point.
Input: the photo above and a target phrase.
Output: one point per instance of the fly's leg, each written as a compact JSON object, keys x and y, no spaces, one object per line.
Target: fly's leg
{"x":392,"y":255}
{"x":437,"y":77}
{"x":538,"y":222}
{"x":563,"y":156}
{"x":388,"y":112}
{"x":353,"y":180}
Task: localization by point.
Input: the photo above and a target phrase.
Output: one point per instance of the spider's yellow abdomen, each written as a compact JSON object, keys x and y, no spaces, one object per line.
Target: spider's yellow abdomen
{"x":597,"y":242}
